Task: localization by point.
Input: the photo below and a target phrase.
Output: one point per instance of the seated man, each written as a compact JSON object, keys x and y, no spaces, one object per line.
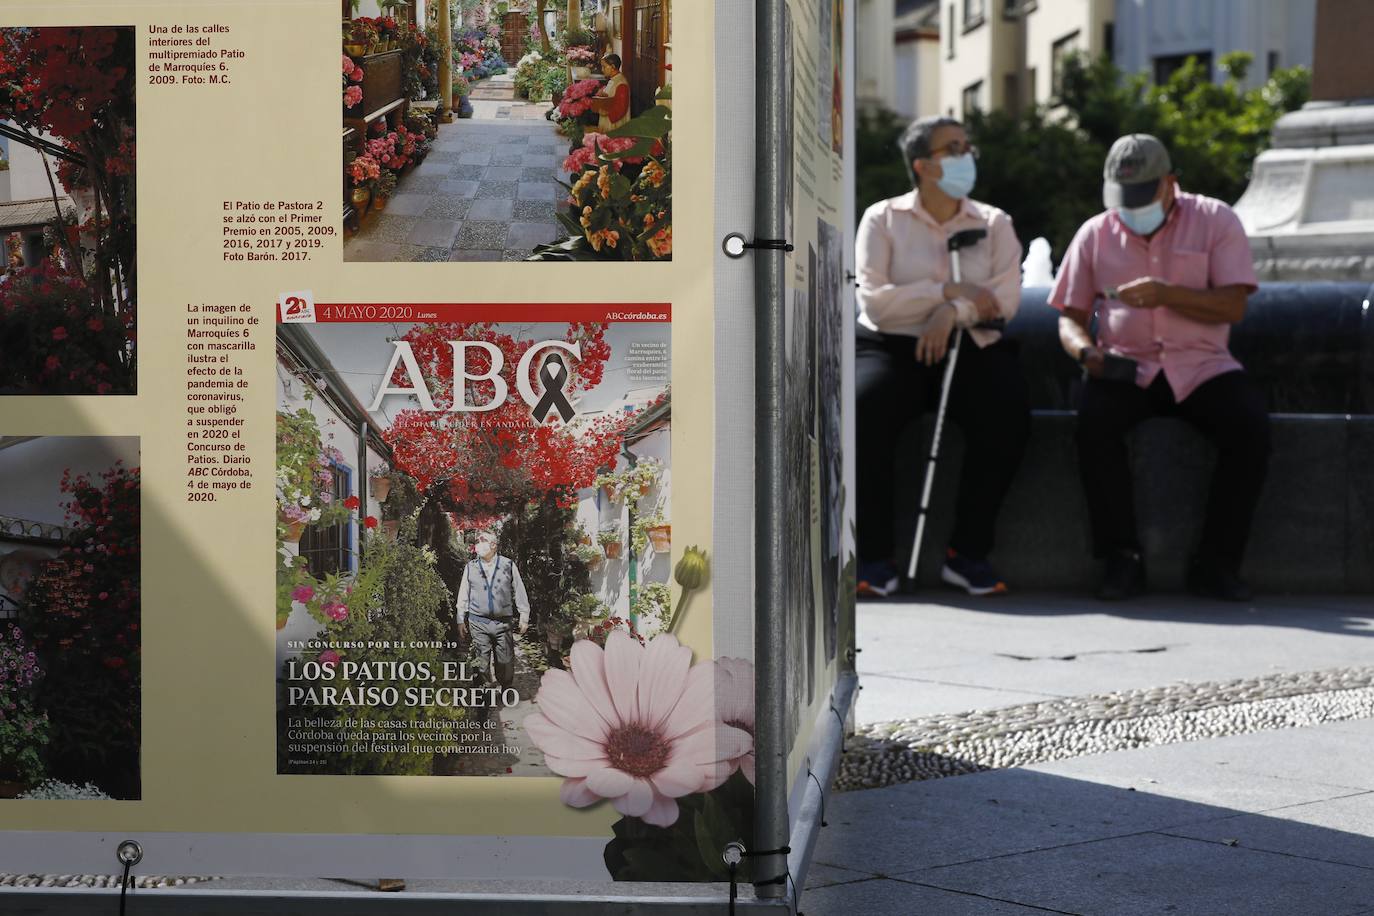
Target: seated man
{"x":908,"y":308}
{"x":1166,"y":273}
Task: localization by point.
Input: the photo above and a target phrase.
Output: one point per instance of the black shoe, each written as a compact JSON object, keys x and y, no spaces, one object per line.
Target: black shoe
{"x":1207,"y":580}
{"x":1124,"y":576}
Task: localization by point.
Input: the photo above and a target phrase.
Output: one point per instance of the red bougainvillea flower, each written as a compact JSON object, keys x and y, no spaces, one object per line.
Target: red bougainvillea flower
{"x":59,"y":333}
{"x":302,"y":593}
{"x":636,"y":725}
{"x":336,"y":611}
{"x":351,"y":502}
{"x":370,"y":521}
{"x":329,"y":658}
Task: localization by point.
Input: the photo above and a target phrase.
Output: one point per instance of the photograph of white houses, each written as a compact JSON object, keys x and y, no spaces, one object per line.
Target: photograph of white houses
{"x":479,"y":130}
{"x":387,"y":499}
{"x":68,"y":279}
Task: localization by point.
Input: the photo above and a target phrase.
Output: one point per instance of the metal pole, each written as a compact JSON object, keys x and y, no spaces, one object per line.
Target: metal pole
{"x":771,"y":828}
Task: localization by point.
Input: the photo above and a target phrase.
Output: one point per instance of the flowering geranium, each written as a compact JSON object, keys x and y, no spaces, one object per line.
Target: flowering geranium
{"x":364,"y":170}
{"x":636,"y":725}
{"x":87,"y":632}
{"x":580,"y":55}
{"x":56,"y":338}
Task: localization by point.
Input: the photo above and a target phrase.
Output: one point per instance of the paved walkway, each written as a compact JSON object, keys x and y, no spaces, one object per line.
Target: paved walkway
{"x":1277,"y":821}
{"x":486,"y":192}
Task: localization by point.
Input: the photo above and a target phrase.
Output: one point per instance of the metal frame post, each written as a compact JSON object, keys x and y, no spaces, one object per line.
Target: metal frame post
{"x":771,"y":827}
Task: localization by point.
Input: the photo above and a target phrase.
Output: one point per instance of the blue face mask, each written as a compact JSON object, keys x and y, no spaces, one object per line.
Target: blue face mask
{"x":1142,"y":220}
{"x":957,"y":175}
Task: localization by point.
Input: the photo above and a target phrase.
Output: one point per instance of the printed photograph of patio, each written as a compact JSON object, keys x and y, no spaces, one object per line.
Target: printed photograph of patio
{"x":68,"y":286}
{"x":516,"y":130}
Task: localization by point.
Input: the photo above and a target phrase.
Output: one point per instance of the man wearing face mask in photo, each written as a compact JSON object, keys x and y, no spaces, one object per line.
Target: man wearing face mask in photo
{"x":1166,"y":273}
{"x":909,"y":307}
{"x":489,"y":598}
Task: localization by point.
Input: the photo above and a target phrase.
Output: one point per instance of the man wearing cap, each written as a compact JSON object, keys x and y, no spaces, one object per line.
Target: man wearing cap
{"x":1166,"y":274}
{"x":490,"y":598}
{"x":909,"y":305}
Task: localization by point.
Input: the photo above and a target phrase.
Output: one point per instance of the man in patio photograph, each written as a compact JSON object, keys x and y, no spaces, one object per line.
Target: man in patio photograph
{"x":490,"y":598}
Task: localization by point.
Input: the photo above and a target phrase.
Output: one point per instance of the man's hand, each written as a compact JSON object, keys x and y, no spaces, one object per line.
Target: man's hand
{"x":524,"y":628}
{"x":463,"y":630}
{"x":931,"y":346}
{"x":982,"y":298}
{"x":1145,"y":293}
{"x":1094,"y":360}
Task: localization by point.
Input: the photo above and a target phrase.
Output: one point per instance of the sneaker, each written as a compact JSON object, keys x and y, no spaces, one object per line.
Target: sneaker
{"x":1207,"y":580}
{"x":1123,"y":577}
{"x":877,"y":580}
{"x":977,"y":577}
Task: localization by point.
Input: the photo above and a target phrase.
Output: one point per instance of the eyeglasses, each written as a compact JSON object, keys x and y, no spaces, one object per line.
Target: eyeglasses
{"x":955,"y":149}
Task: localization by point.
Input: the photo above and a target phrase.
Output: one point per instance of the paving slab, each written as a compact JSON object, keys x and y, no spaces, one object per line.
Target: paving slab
{"x":1060,"y":645}
{"x":1335,"y":831}
{"x":885,"y":897}
{"x":887,"y":697}
{"x":1151,"y":874}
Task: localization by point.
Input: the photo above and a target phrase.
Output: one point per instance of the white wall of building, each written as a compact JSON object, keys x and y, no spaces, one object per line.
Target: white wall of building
{"x":291,"y":396}
{"x":875,"y":67}
{"x":1053,"y":21}
{"x":984,"y":54}
{"x":1149,"y":29}
{"x":31,"y":472}
{"x":916,"y":82}
{"x":28,"y":179}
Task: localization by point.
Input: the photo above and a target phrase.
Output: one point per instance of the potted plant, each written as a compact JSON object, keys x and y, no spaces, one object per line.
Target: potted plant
{"x":359,"y":37}
{"x":653,"y":602}
{"x":651,"y":528}
{"x":383,"y":190}
{"x":613,"y":485}
{"x":589,"y":554}
{"x":642,"y":477}
{"x":612,"y":540}
{"x":379,"y":482}
{"x":363,"y":171}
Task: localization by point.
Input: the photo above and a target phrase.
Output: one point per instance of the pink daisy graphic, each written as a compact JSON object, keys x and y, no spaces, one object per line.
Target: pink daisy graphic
{"x":634,"y":724}
{"x":735,"y":704}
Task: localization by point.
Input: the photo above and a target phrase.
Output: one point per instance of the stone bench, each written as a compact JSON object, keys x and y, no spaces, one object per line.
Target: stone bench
{"x":1310,"y":346}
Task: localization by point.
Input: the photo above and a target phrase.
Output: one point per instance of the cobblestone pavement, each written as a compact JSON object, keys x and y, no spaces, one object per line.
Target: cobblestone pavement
{"x":487,"y":190}
{"x":931,"y":747}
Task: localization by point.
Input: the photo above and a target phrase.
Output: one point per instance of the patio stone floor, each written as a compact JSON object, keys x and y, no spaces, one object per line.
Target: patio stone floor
{"x":486,"y":192}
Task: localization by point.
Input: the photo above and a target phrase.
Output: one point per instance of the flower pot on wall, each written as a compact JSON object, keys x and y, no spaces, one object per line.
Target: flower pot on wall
{"x":381,"y":488}
{"x":392,"y":527}
{"x":360,"y":198}
{"x":613,"y":549}
{"x":661,"y":537}
{"x":294,"y":530}
{"x":595,"y":560}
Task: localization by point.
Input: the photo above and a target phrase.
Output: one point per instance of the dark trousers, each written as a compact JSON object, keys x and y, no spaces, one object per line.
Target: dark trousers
{"x":987,"y":401}
{"x":1228,"y":409}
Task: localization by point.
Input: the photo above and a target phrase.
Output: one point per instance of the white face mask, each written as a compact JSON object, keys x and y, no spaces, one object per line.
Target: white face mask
{"x":486,"y":549}
{"x":1142,"y":220}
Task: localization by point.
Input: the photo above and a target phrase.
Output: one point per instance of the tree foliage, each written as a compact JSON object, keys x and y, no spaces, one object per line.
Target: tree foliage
{"x":1044,"y":167}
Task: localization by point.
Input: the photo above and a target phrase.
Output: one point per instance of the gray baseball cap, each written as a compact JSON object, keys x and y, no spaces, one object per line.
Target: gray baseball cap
{"x":1135,"y":165}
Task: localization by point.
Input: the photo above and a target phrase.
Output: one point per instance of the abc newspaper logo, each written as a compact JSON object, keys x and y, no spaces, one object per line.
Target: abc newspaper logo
{"x":297,"y":308}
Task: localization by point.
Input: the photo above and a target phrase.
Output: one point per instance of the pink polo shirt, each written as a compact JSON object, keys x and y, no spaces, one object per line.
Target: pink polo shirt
{"x":903,"y":264}
{"x":1201,"y":246}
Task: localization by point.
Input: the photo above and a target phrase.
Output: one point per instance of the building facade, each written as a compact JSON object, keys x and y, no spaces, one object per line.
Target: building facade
{"x":1007,"y":54}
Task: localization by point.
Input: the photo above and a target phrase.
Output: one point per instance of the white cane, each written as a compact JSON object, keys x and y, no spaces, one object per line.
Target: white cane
{"x":956,"y":241}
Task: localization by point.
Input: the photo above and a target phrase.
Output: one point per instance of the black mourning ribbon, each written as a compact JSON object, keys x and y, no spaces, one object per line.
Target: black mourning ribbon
{"x":553,"y":375}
